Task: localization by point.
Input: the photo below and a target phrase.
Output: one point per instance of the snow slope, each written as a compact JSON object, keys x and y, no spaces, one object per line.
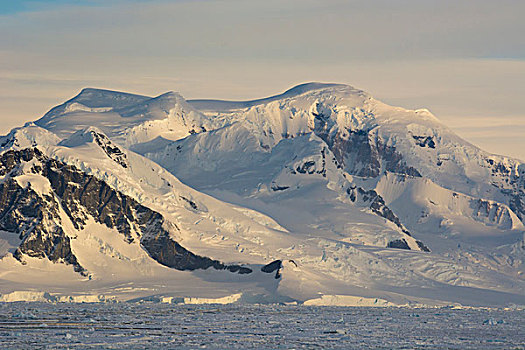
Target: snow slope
{"x":352,"y":200}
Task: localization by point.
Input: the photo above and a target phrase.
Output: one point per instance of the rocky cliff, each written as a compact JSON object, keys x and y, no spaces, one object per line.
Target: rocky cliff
{"x":36,"y":218}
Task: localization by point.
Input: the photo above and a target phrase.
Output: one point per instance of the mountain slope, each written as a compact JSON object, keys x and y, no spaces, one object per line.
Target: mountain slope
{"x":319,"y":190}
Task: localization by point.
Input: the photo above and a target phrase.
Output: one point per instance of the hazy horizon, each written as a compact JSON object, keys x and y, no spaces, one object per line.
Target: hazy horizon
{"x":464,"y":63}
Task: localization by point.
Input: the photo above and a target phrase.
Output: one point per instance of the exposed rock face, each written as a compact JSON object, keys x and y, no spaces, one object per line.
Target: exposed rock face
{"x":36,"y":220}
{"x":312,"y":167}
{"x":361,"y":152}
{"x":358,"y":195}
{"x":422,"y":246}
{"x":492,"y":212}
{"x":399,"y":244}
{"x":279,"y":188}
{"x":273,"y":266}
{"x":425,"y":141}
{"x":377,"y":205}
{"x":402,"y":244}
{"x":517,"y":205}
{"x":509,"y":177}
{"x":36,"y":216}
{"x":7,"y":142}
{"x":113,"y":151}
{"x":169,"y":253}
{"x":306,"y":168}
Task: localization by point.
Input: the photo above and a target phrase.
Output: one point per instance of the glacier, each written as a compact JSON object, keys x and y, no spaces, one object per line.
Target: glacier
{"x":320,"y":195}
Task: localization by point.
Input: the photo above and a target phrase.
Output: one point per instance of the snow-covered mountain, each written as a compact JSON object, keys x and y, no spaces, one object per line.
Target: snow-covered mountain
{"x":321,"y":195}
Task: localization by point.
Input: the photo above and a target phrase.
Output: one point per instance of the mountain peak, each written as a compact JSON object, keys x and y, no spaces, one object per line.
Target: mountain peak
{"x":311,"y":86}
{"x":82,"y":136}
{"x":93,"y":99}
{"x":222,"y":105}
{"x":98,"y":98}
{"x":28,"y":136}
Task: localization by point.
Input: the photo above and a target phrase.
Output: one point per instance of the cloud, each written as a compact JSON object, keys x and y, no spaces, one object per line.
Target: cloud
{"x":307,"y":30}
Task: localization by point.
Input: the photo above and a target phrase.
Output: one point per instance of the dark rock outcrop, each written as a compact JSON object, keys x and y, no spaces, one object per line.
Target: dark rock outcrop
{"x":191,"y":203}
{"x":425,"y":141}
{"x":170,"y":253}
{"x":307,"y":167}
{"x":112,"y":150}
{"x":377,"y":205}
{"x":273,"y":266}
{"x":509,"y":178}
{"x":517,"y":205}
{"x":277,"y":188}
{"x":36,"y":217}
{"x":398,"y":243}
{"x":360,"y":152}
{"x":422,"y":246}
{"x":37,"y":222}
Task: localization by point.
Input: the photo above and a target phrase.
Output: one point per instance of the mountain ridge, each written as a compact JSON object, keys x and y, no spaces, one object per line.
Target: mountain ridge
{"x":322,"y":175}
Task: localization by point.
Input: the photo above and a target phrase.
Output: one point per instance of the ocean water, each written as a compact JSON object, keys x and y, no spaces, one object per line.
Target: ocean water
{"x":151,"y":326}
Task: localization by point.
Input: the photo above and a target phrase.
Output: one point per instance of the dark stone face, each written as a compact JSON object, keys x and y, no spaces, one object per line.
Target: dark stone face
{"x":276,"y":188}
{"x":425,"y":141}
{"x":517,"y":205}
{"x":192,"y":204}
{"x":36,"y":217}
{"x":399,"y":244}
{"x":273,"y":266}
{"x":377,"y":205}
{"x":422,"y":246}
{"x":110,"y":149}
{"x":510,"y":179}
{"x":306,"y":167}
{"x":361,"y":152}
{"x":36,"y":220}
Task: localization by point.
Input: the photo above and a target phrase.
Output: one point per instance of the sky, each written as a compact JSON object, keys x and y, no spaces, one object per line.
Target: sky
{"x":462,"y":60}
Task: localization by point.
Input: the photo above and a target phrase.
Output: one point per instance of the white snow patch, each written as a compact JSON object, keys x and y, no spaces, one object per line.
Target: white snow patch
{"x":229,"y":299}
{"x":29,"y":296}
{"x":347,"y":300}
{"x":9,"y":241}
